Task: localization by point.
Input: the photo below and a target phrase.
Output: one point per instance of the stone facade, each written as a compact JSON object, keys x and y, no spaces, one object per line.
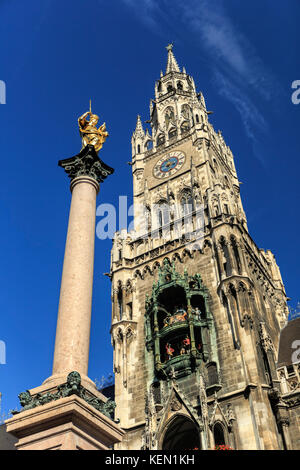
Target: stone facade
{"x":191,"y":277}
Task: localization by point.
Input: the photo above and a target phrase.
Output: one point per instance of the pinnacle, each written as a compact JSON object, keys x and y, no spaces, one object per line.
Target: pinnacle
{"x":172,"y":65}
{"x":139,"y":126}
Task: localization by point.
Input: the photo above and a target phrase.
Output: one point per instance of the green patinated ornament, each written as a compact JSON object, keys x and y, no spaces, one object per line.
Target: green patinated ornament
{"x":183,"y":322}
{"x":71,"y":387}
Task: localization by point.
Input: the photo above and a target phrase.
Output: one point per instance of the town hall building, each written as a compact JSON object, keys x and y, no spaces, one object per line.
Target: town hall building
{"x":197,"y":307}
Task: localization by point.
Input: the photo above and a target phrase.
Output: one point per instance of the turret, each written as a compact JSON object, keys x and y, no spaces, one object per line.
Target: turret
{"x":138,"y":138}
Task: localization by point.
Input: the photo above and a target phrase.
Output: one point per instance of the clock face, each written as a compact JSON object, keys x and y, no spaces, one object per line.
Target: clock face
{"x":169,"y":164}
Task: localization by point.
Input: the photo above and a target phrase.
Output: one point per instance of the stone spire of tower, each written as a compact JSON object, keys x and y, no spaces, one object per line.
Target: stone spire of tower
{"x":139,"y":131}
{"x":172,"y":65}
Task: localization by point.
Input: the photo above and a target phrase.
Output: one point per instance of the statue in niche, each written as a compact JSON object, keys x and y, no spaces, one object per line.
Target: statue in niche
{"x":185,"y":111}
{"x":186,"y":345}
{"x":169,"y":351}
{"x":180,"y":314}
{"x":169,"y":116}
{"x":197,"y":313}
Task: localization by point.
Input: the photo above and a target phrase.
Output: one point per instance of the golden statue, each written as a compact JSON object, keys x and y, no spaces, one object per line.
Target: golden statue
{"x":89,"y":133}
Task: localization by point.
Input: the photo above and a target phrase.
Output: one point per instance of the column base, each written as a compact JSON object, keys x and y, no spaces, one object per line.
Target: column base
{"x":66,"y":424}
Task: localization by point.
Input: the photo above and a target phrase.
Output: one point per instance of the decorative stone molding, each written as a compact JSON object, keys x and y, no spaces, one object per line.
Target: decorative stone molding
{"x":265,"y":338}
{"x":86,"y":163}
{"x":247,"y":319}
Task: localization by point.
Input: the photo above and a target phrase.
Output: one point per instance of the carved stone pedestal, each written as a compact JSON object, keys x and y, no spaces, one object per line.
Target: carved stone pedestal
{"x":65,"y":424}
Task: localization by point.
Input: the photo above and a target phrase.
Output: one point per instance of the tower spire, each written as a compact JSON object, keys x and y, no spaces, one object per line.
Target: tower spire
{"x":139,"y":127}
{"x":172,"y":65}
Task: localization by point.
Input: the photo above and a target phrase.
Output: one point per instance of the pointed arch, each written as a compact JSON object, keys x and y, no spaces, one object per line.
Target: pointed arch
{"x":236,"y":255}
{"x":181,"y":433}
{"x":219,"y":434}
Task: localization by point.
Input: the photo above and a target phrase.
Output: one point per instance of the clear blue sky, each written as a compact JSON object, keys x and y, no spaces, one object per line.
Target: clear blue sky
{"x":56,"y":55}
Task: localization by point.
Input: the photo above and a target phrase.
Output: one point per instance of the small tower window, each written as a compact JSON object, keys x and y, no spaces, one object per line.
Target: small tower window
{"x":172,"y":133}
{"x":129,"y":309}
{"x":169,"y":87}
{"x":139,"y":149}
{"x":120,"y":303}
{"x":197,"y":118}
{"x":160,"y":140}
{"x":149,"y":145}
{"x":219,"y":435}
{"x":179,"y":86}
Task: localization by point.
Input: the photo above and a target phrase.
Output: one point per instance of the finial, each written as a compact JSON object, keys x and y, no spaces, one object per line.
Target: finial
{"x":172,"y":65}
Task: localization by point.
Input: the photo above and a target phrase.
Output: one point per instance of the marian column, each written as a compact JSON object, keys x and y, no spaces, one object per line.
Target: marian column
{"x":67,"y":412}
{"x":86,"y":171}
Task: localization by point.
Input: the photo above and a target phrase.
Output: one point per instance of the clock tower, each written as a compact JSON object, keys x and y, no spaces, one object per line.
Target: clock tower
{"x":197,"y":307}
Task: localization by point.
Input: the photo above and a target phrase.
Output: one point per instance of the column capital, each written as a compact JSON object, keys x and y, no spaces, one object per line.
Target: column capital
{"x":86,"y":163}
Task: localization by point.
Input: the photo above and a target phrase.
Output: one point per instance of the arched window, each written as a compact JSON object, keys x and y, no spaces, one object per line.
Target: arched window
{"x":120,"y":302}
{"x":179,"y":86}
{"x":162,"y":215}
{"x":149,"y":145}
{"x":197,"y":118}
{"x":236,"y":254}
{"x":169,"y":87}
{"x":169,"y":116}
{"x":160,"y":140}
{"x":185,"y":127}
{"x":186,"y":202}
{"x":138,"y":148}
{"x":185,"y":111}
{"x":219,"y":436}
{"x":225,"y":260}
{"x":172,"y":133}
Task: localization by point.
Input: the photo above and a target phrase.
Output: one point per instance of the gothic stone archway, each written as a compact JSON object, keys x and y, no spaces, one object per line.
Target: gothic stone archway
{"x":181,"y":434}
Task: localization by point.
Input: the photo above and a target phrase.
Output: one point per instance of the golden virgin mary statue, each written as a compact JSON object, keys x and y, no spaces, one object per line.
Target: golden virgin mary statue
{"x":89,"y":133}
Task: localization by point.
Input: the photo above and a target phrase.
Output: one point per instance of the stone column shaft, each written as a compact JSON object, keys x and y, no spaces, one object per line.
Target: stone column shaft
{"x":74,"y":313}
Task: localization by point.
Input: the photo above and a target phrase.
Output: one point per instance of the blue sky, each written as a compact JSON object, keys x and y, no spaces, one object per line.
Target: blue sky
{"x":54,"y":57}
